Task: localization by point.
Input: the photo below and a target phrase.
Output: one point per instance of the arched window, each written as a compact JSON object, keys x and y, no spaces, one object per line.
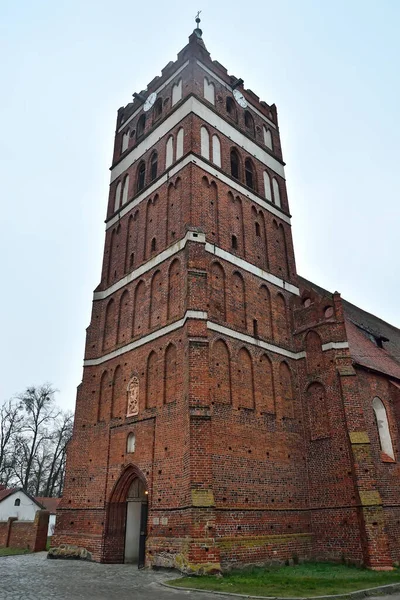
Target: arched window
{"x":267,"y":137}
{"x":235,"y":164}
{"x":169,"y":155}
{"x":17,"y":502}
{"x":117,"y":200}
{"x":153,"y":166}
{"x":141,"y":176}
{"x":216,"y":151}
{"x":250,"y":175}
{"x":277,"y":194}
{"x":383,"y":427}
{"x":125,"y":141}
{"x":140,"y":127}
{"x":249,"y":123}
{"x":231,"y":108}
{"x":179,"y":144}
{"x":267,"y":186}
{"x":209,"y":91}
{"x":176,"y":92}
{"x":157,"y":109}
{"x":131,"y":443}
{"x":205,"y":143}
{"x":125,"y":189}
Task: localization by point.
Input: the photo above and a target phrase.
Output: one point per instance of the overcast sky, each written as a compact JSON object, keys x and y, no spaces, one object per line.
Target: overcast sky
{"x":332,"y":68}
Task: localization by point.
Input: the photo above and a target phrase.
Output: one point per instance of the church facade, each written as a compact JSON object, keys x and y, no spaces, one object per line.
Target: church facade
{"x":230,"y":411}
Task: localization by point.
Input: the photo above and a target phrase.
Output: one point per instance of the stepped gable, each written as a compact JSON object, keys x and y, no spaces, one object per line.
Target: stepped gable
{"x":373,"y":342}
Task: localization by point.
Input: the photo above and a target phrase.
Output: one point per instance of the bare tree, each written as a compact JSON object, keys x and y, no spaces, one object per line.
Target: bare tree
{"x":40,"y":411}
{"x":60,"y":438}
{"x":34,"y":434}
{"x":11,"y":423}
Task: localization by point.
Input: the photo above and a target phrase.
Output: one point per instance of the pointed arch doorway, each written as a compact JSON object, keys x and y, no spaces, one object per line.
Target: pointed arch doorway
{"x":126,"y":528}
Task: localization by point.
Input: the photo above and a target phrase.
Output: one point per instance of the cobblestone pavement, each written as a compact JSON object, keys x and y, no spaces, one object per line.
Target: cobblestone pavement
{"x":33,"y":577}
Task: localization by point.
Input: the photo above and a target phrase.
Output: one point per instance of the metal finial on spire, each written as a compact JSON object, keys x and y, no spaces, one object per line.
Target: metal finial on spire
{"x":198,"y":20}
{"x":198,"y":31}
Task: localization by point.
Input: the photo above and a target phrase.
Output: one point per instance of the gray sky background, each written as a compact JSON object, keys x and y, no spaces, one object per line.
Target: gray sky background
{"x":332,"y":68}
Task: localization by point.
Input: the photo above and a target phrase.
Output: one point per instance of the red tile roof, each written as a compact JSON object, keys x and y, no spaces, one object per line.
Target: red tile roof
{"x":368,"y":354}
{"x":50,"y":504}
{"x":7,"y":492}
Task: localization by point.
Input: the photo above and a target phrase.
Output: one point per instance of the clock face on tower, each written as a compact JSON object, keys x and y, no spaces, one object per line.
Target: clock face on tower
{"x":150,"y":101}
{"x":240,"y":99}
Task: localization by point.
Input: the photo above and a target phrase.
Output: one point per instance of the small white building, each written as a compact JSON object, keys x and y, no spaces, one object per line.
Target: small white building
{"x":15,"y":502}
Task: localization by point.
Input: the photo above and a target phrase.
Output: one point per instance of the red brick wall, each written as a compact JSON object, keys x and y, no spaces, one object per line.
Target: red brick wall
{"x":25,"y":534}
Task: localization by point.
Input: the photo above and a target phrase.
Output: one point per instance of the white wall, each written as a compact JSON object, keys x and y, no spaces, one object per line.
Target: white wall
{"x":25,"y":512}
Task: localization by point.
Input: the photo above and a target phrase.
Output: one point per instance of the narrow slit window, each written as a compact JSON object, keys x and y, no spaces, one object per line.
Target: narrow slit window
{"x":140,"y":127}
{"x":234,"y":242}
{"x":249,"y":123}
{"x":231,"y":108}
{"x":125,"y":141}
{"x":250,"y":178}
{"x":169,"y":154}
{"x":255,"y":327}
{"x":141,"y":177}
{"x":267,"y":138}
{"x":131,"y":443}
{"x":157,"y":110}
{"x":277,"y":193}
{"x":234,"y":164}
{"x":382,"y":424}
{"x":153,"y":166}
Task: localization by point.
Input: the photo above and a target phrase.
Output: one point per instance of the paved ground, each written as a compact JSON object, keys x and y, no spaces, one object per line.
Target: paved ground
{"x":33,"y":577}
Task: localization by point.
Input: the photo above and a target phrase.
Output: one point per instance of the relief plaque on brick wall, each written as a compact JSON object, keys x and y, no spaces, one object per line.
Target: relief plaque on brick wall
{"x":133,"y":397}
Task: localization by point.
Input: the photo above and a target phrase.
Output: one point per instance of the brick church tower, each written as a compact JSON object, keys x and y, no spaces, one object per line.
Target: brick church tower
{"x":192,"y":445}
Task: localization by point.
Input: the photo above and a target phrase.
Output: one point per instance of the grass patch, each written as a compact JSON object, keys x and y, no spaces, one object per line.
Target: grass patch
{"x":306,"y":579}
{"x":13,"y":551}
